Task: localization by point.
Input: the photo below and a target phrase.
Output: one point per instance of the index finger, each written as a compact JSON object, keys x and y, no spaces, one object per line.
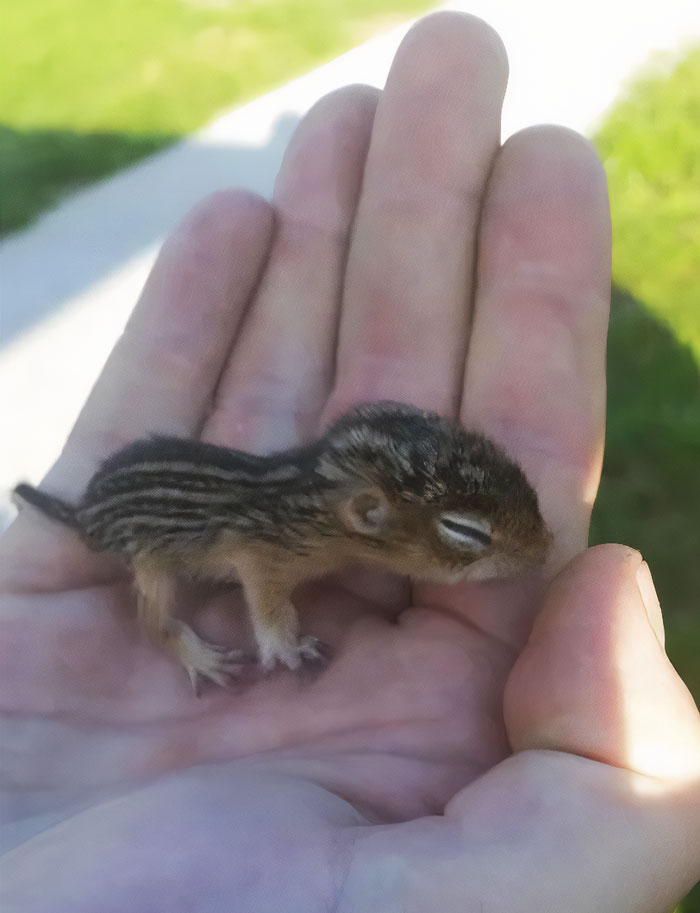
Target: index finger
{"x":535,"y":375}
{"x":161,"y":374}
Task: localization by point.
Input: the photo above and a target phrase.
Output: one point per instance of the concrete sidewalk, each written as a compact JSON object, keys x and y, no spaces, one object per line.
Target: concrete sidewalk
{"x":69,"y":282}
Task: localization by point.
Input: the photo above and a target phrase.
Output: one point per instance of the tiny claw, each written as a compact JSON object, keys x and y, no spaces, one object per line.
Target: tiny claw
{"x":194,"y":679}
{"x":313,"y":650}
{"x":220,"y":666}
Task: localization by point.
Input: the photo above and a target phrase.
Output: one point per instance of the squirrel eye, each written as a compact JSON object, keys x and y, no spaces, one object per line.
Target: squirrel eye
{"x":466,"y":530}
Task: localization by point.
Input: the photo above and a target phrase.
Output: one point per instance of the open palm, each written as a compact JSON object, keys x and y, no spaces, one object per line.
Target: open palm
{"x":406,"y":256}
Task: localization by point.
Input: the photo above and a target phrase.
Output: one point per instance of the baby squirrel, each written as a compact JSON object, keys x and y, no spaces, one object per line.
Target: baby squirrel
{"x":388,"y":485}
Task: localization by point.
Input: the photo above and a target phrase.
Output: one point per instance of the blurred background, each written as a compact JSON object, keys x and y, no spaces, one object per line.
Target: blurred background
{"x":117,"y":116}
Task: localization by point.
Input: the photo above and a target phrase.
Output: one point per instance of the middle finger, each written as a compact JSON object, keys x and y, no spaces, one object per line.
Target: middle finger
{"x":277,"y":379}
{"x":408,"y":283}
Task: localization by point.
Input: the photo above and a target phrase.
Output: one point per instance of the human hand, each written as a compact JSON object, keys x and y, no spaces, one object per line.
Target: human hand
{"x":447,"y":759}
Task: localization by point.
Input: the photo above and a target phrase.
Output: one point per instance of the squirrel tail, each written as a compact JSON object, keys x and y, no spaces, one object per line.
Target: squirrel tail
{"x":47,"y":504}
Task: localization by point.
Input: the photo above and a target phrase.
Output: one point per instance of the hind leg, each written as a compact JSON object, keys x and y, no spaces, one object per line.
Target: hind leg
{"x":155,"y":587}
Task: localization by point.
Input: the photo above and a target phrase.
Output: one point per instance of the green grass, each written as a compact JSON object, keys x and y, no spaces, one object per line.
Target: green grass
{"x":89,"y":86}
{"x":39,"y":166}
{"x":650,"y":145}
{"x":650,"y":490}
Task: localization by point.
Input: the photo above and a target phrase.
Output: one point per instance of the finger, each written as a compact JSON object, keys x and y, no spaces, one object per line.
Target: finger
{"x":161,"y":375}
{"x":406,"y":302}
{"x":535,"y":376}
{"x":275,"y":385}
{"x":594,"y":679}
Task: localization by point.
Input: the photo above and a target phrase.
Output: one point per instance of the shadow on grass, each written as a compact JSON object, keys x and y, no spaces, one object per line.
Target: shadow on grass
{"x":651,"y":485}
{"x":99,"y":230}
{"x":39,"y":167}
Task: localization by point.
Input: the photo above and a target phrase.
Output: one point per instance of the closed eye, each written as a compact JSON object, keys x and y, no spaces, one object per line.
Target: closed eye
{"x":469,"y":532}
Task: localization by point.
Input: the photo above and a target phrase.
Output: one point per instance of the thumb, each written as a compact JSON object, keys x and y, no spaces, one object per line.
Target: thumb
{"x":594,"y":679}
{"x":570,"y":825}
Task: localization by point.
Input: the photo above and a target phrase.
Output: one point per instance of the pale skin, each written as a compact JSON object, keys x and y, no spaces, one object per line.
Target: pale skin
{"x":447,"y":759}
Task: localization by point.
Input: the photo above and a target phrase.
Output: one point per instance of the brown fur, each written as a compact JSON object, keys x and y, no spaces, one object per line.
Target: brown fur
{"x":388,"y":485}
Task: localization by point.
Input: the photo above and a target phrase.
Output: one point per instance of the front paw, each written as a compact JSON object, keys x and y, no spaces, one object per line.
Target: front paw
{"x":307,"y":651}
{"x":313,"y":651}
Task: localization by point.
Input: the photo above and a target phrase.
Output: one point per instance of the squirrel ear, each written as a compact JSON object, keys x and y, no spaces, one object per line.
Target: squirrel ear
{"x":366,"y":512}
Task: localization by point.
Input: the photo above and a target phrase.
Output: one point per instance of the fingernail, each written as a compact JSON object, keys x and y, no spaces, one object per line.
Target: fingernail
{"x":647,"y":591}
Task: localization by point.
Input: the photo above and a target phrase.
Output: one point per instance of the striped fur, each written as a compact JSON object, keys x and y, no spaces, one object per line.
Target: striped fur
{"x":173,"y":495}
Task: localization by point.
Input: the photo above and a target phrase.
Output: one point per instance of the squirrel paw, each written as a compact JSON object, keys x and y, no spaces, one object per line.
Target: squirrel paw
{"x":307,"y":650}
{"x":205,"y":660}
